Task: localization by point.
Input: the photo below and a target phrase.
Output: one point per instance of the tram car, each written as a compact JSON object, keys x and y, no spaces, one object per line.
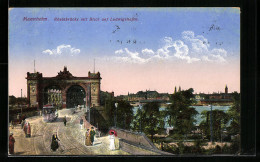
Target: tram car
{"x":49,"y":113}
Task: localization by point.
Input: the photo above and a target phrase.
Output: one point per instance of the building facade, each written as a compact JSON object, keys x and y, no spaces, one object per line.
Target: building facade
{"x":63,"y":90}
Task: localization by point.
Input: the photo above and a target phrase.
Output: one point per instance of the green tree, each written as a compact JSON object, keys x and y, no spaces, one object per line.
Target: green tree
{"x":110,"y":110}
{"x":219,"y":120}
{"x":12,"y":100}
{"x":124,"y":113}
{"x":152,"y":119}
{"x":234,"y":115}
{"x":182,"y":116}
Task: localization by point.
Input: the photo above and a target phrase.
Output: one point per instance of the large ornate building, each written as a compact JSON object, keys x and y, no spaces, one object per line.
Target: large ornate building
{"x":64,"y":90}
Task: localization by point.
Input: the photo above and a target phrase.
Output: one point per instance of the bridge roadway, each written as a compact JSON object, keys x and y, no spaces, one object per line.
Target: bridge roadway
{"x":72,"y":139}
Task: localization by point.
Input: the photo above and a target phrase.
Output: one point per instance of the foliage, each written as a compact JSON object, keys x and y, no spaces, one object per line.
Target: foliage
{"x":153,"y":119}
{"x":19,"y":100}
{"x":149,"y":120}
{"x":182,"y":116}
{"x":219,"y":120}
{"x":110,"y":110}
{"x":234,"y":115}
{"x":124,"y":113}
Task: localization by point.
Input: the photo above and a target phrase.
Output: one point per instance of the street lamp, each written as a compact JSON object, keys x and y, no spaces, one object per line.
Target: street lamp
{"x":115,"y":119}
{"x":140,"y":122}
{"x":211,"y":129}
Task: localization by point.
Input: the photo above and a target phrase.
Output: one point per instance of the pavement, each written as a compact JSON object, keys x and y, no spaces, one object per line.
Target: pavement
{"x":72,"y":138}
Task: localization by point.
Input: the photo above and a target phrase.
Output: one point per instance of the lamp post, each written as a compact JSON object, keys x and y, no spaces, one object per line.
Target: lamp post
{"x":140,"y":122}
{"x":211,"y":129}
{"x":115,"y":119}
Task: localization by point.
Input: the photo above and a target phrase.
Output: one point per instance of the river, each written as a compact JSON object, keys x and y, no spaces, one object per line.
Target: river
{"x":198,"y":108}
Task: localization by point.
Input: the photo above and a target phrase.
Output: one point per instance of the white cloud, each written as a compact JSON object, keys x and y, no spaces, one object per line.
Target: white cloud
{"x":62,"y":50}
{"x":148,"y":51}
{"x":191,"y":48}
{"x":119,"y":51}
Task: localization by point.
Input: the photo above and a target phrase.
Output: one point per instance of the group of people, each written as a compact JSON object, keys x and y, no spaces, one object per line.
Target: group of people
{"x":26,"y":128}
{"x":90,"y":137}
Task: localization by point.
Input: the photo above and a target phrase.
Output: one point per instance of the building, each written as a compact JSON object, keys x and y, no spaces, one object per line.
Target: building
{"x":63,"y":90}
{"x":218,"y":98}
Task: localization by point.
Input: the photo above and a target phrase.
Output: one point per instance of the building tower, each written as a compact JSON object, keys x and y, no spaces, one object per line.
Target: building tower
{"x":226,"y":90}
{"x":179,"y":88}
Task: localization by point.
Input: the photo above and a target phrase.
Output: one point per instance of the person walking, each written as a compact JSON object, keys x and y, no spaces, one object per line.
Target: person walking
{"x":11,"y":143}
{"x":87,"y":140}
{"x":92,"y":135}
{"x":81,"y":123}
{"x":28,"y":131}
{"x":112,"y":141}
{"x":25,"y":128}
{"x":54,"y":142}
{"x":65,"y":121}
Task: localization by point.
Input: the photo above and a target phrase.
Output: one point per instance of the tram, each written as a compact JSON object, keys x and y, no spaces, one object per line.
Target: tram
{"x":49,"y":113}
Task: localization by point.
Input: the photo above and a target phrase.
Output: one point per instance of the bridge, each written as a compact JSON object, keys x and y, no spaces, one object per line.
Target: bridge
{"x":72,"y":139}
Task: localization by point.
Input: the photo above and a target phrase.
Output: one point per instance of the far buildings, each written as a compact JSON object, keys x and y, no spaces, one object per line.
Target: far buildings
{"x":201,"y":98}
{"x":218,"y":98}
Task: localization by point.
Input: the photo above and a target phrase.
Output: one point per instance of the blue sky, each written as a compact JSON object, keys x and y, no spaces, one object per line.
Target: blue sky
{"x":174,"y":36}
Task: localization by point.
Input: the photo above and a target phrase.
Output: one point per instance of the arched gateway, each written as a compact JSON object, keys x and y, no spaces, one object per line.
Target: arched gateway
{"x":64,"y":90}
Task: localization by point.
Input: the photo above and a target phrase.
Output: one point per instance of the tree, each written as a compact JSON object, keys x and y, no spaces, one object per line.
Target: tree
{"x":12,"y":100}
{"x":182,"y":116}
{"x":219,"y":119}
{"x":110,"y":110}
{"x":152,"y":119}
{"x":124,"y":113}
{"x":234,"y":115}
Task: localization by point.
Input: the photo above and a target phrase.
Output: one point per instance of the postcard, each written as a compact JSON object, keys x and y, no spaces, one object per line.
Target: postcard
{"x":124,"y":81}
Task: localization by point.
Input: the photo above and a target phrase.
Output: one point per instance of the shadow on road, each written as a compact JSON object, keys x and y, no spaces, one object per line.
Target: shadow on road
{"x":60,"y":119}
{"x":19,"y":153}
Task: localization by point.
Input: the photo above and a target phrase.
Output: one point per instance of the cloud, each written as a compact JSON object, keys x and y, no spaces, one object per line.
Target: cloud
{"x":62,"y":50}
{"x":191,"y":48}
{"x":119,"y":51}
{"x":148,"y":51}
{"x":130,"y":57}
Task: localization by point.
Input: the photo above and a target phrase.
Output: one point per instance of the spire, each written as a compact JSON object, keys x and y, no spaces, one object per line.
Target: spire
{"x":226,"y":89}
{"x":175,"y":89}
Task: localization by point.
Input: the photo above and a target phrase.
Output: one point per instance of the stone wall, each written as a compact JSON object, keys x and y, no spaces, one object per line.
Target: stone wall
{"x":137,"y":143}
{"x":135,"y":150}
{"x":134,"y":137}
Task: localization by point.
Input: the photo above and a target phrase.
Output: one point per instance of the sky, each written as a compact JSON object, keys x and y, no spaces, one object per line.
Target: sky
{"x":160,"y":48}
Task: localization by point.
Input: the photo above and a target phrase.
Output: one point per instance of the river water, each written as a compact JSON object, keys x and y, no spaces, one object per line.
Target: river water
{"x":199,"y":109}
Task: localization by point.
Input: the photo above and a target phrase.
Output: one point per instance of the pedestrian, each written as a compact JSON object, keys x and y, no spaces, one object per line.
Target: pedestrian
{"x":112,"y":141}
{"x":28,"y":131}
{"x":65,"y":121}
{"x":81,"y":123}
{"x":11,"y":143}
{"x":54,"y":142}
{"x":25,"y":128}
{"x":87,"y":140}
{"x":92,"y":135}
